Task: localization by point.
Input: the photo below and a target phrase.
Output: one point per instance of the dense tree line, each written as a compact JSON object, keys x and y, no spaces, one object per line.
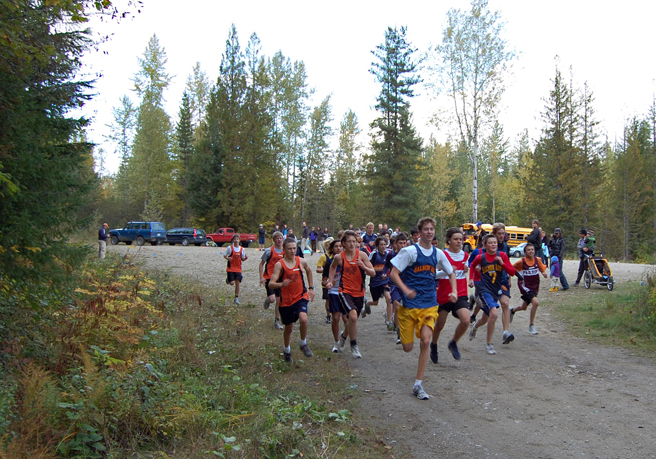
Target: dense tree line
{"x":248,"y":148}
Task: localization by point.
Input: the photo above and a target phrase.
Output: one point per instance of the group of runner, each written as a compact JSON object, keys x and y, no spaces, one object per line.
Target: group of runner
{"x":421,"y":285}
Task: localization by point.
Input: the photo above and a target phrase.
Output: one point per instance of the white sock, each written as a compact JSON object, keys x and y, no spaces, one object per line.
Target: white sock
{"x":417,"y":382}
{"x":287,"y":349}
{"x":302,"y":342}
{"x":336,"y":343}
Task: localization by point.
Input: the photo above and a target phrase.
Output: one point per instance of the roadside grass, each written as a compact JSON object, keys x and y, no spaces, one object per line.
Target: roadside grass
{"x":125,"y":363}
{"x":625,"y":317}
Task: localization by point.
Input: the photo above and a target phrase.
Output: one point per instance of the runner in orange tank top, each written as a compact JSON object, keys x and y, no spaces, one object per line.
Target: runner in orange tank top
{"x":355,"y":264}
{"x":235,"y":254}
{"x":270,"y":257}
{"x":294,"y":297}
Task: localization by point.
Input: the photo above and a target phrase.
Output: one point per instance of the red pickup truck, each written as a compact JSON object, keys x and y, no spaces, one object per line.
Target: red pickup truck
{"x":224,"y":236}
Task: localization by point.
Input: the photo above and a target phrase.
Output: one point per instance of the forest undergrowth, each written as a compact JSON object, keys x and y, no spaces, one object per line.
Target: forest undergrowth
{"x":116,"y":362}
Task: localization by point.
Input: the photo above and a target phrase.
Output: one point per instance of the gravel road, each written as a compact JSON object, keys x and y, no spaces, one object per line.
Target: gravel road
{"x":544,"y":396}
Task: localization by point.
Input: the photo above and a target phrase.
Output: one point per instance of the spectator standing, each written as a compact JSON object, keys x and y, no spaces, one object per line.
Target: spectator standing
{"x":284,"y":231}
{"x":102,"y":240}
{"x":313,"y":240}
{"x":557,"y":249}
{"x":261,"y":234}
{"x":305,"y":235}
{"x":545,"y":247}
{"x":535,"y":238}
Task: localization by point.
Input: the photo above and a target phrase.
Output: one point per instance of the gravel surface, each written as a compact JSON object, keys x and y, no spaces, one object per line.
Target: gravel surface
{"x":544,"y":396}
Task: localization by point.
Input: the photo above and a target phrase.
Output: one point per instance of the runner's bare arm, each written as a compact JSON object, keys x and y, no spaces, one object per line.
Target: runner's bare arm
{"x":337,"y":261}
{"x":364,"y":263}
{"x":276,"y":275}
{"x":310,"y":279}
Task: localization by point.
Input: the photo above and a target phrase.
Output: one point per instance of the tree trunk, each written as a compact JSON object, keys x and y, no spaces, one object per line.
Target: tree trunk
{"x":475,"y":184}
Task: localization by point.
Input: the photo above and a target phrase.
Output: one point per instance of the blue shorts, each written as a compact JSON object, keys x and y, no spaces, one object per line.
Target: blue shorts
{"x":290,"y":314}
{"x":261,"y":240}
{"x":333,"y":303}
{"x":395,"y":293}
{"x":488,"y":302}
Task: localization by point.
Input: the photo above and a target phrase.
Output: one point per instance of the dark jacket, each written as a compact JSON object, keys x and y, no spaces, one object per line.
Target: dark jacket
{"x":535,"y":238}
{"x":306,"y":232}
{"x":557,"y":247}
{"x":102,"y":234}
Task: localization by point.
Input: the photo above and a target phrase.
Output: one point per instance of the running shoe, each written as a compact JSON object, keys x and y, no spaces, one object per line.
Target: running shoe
{"x":329,"y":319}
{"x":453,"y":347}
{"x":472,"y":333}
{"x":266,"y":303}
{"x":508,"y":337}
{"x":420,"y":393}
{"x":472,"y":319}
{"x":277,"y":325}
{"x":433,"y":352}
{"x":490,"y":349}
{"x":306,"y":350}
{"x":398,"y":340}
{"x":512,"y":314}
{"x":288,"y":358}
{"x":342,"y":341}
{"x":390,"y":326}
{"x":355,"y":352}
{"x":532,"y":330}
{"x":335,"y":349}
{"x":366,"y":310}
{"x":237,"y":301}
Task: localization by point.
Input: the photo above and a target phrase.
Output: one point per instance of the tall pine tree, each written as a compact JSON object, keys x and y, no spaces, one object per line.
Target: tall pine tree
{"x":393,"y":167}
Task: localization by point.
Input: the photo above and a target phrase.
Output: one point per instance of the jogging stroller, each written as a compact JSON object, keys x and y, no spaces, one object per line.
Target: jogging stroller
{"x":598,"y":272}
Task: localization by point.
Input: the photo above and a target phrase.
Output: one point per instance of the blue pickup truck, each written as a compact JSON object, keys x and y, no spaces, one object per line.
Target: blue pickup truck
{"x":139,"y":232}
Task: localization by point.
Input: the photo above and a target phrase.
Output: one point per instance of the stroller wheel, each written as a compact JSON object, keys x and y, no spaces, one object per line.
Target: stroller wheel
{"x":587,"y":279}
{"x":610,"y":284}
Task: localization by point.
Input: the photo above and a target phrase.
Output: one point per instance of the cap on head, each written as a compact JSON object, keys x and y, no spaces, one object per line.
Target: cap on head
{"x":261,"y":224}
{"x":583,"y":231}
{"x":557,"y":231}
{"x":105,"y":225}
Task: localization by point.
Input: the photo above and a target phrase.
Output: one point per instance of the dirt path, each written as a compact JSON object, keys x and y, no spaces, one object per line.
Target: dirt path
{"x":544,"y":396}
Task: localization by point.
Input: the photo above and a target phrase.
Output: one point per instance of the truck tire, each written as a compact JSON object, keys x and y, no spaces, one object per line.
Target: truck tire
{"x":114,"y":240}
{"x":245,"y":244}
{"x":185,"y":241}
{"x":140,"y":241}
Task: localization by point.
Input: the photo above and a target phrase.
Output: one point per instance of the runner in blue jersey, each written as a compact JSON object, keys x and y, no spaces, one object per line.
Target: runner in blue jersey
{"x":413,"y":272}
{"x":378,"y":285}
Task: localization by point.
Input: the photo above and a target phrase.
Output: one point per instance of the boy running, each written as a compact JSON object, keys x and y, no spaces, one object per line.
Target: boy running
{"x":334,"y":248}
{"x":294,"y":296}
{"x":492,"y":265}
{"x":271,"y":256}
{"x":459,"y":309}
{"x":235,"y":254}
{"x":398,"y":242}
{"x":378,"y":284}
{"x":354,"y":264}
{"x":413,"y":272}
{"x":530,"y":268}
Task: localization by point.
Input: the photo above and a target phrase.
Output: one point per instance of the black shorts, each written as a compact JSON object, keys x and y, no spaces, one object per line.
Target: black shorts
{"x":270,"y":292}
{"x":333,"y":303}
{"x":462,"y":303}
{"x":324,"y":293}
{"x":234,"y":277}
{"x":290,"y":314}
{"x":505,"y":287}
{"x":377,"y":292}
{"x":528,"y":297}
{"x":349,"y":303}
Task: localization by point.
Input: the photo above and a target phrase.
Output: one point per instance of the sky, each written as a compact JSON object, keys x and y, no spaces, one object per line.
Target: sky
{"x":606,"y":44}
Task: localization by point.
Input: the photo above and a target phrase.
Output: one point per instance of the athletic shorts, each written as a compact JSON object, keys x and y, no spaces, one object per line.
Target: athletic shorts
{"x":349,"y":303}
{"x":376,"y":292}
{"x":488,"y":302}
{"x":395,"y":293}
{"x":270,"y":292}
{"x":412,"y":320}
{"x":333,"y":303}
{"x":324,"y":293}
{"x":290,"y":314}
{"x":528,"y":297}
{"x":505,"y":287}
{"x":260,"y":240}
{"x":234,"y":277}
{"x":462,"y":303}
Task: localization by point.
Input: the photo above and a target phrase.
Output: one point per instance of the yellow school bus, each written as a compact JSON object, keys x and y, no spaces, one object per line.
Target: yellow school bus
{"x":516,"y":235}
